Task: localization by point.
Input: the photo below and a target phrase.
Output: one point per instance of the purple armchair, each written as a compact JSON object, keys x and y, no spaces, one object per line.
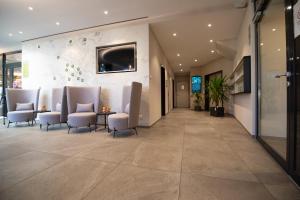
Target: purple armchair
{"x":129,"y":119}
{"x":83,"y":106}
{"x":59,"y":110}
{"x":21,"y":104}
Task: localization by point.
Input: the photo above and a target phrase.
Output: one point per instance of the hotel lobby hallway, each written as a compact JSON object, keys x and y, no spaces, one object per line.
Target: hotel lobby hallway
{"x":186,"y":155}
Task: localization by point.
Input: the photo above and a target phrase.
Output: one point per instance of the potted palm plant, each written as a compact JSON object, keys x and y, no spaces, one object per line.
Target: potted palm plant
{"x":197,"y":101}
{"x":218,"y":93}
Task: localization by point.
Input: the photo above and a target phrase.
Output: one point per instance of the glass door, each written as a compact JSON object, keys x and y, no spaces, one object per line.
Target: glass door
{"x":10,"y":75}
{"x":273,"y":81}
{"x":14,"y":70}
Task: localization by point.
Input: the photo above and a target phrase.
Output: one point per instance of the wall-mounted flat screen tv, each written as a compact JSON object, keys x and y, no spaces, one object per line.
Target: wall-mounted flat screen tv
{"x":116,"y":58}
{"x":196,"y":84}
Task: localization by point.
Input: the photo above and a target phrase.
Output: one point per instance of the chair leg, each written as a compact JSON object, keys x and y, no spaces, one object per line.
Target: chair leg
{"x":69,"y":128}
{"x":90,"y":127}
{"x":114,"y":132}
{"x":8,"y":123}
{"x":47,"y":126}
{"x":41,"y":126}
{"x":136,"y":131}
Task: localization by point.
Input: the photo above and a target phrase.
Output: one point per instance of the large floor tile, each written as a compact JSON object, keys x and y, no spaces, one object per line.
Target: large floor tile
{"x":156,"y":157}
{"x":287,"y":191}
{"x":71,"y":179}
{"x":133,"y":183}
{"x":260,"y":163}
{"x":24,"y":166}
{"x":195,"y":187}
{"x":10,"y":150}
{"x":111,"y":151}
{"x":205,"y":143}
{"x":216,"y":164}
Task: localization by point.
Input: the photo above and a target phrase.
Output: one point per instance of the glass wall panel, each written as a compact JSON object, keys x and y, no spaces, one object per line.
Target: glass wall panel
{"x":273,"y":82}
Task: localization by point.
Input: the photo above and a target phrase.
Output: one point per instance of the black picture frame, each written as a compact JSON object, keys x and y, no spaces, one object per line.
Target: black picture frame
{"x":134,"y":44}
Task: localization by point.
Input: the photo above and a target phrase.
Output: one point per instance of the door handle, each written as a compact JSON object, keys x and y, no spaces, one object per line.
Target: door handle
{"x":287,"y":74}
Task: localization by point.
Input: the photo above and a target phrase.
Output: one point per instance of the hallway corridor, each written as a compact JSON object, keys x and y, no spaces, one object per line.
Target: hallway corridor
{"x":187,"y":155}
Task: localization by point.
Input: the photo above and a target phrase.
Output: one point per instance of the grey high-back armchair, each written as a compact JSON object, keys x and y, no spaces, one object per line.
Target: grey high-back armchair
{"x":21,"y":104}
{"x":83,"y":106}
{"x":130,"y":118}
{"x":59,"y":109}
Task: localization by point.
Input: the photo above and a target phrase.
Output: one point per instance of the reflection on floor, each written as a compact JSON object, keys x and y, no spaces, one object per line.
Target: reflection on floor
{"x":279,"y":144}
{"x":186,"y":155}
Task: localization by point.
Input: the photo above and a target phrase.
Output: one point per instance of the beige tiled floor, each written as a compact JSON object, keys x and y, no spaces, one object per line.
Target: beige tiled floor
{"x":186,"y":155}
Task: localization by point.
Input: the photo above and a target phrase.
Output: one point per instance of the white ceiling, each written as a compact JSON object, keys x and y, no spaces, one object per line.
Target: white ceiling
{"x":188,"y":18}
{"x":193,"y":36}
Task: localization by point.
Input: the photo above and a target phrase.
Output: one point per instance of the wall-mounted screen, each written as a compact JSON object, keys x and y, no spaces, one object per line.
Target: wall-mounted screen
{"x":196,"y":84}
{"x":116,"y":58}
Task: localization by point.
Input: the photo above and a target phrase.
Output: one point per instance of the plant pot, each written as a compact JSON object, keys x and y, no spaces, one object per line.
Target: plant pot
{"x":217,"y":111}
{"x":197,"y":108}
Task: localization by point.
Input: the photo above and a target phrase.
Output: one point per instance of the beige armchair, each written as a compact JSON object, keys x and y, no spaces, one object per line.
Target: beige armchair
{"x":129,"y":119}
{"x":21,"y":104}
{"x":59,"y":110}
{"x":83,"y":106}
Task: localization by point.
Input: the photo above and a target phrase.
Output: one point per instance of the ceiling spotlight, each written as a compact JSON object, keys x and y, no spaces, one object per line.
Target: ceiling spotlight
{"x":10,"y":34}
{"x":212,"y":51}
{"x":278,"y":49}
{"x":196,"y":60}
{"x":180,"y":64}
{"x":261,"y":44}
{"x":178,"y":54}
{"x":289,"y":7}
{"x":57,"y":23}
{"x":181,"y":70}
{"x":211,"y":41}
{"x":105,"y":12}
{"x":30,"y":8}
{"x":20,"y":32}
{"x":209,"y":25}
{"x":274,"y":29}
{"x":174,"y":34}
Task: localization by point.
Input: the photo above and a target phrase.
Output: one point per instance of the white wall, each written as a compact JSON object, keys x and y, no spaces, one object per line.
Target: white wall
{"x":157,"y":59}
{"x":47,"y":70}
{"x":221,"y":64}
{"x":244,"y":104}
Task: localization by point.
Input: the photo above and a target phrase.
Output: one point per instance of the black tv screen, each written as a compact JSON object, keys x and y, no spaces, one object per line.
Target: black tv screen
{"x":116,"y":58}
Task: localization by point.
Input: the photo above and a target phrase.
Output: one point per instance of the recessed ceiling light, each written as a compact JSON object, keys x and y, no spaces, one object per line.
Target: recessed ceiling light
{"x":211,"y":41}
{"x":30,"y":8}
{"x":20,"y":32}
{"x":212,"y":51}
{"x":105,"y":12}
{"x":178,"y":54}
{"x":174,"y":34}
{"x":274,"y":29}
{"x":10,"y":34}
{"x":57,"y":23}
{"x":261,"y":44}
{"x":209,"y":25}
{"x":181,"y":70}
{"x":180,"y":64}
{"x":278,"y":49}
{"x":196,"y":60}
{"x":289,"y":7}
